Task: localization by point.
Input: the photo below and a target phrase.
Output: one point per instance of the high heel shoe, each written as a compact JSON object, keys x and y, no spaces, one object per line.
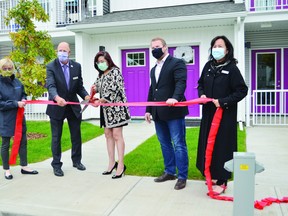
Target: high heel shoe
{"x":119,"y":176}
{"x":109,"y":172}
{"x":213,"y":182}
{"x":220,"y":189}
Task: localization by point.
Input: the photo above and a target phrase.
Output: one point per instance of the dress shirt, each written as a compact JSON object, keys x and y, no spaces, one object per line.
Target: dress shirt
{"x":159,"y":65}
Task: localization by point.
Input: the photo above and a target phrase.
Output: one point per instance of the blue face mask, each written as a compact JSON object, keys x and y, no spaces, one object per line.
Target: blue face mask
{"x":218,"y":53}
{"x":62,"y":56}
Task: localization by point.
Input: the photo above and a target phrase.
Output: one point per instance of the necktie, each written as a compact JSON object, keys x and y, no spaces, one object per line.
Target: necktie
{"x":66,"y":74}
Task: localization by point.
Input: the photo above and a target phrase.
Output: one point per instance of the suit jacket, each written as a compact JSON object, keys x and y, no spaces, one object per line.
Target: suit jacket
{"x":56,"y":85}
{"x":171,"y":84}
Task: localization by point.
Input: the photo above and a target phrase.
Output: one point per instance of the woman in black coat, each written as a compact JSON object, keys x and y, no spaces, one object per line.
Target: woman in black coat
{"x":222,"y":81}
{"x":12,"y":96}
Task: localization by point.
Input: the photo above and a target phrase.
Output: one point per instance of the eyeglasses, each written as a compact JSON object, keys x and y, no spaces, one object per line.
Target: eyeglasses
{"x":7,"y":69}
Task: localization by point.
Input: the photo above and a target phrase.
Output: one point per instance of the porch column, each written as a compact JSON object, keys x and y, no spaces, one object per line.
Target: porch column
{"x":239,"y":52}
{"x":84,"y":54}
{"x":99,"y":7}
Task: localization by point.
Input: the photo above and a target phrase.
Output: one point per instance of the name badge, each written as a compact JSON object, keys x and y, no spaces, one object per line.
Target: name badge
{"x":225,"y":72}
{"x":75,"y":78}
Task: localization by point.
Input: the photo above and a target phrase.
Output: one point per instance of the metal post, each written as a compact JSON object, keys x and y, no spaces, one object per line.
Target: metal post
{"x":244,"y":167}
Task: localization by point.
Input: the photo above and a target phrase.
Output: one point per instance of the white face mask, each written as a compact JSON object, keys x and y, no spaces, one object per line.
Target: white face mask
{"x":218,"y":53}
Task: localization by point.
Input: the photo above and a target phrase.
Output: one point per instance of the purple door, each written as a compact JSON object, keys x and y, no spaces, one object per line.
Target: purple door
{"x":191,"y":56}
{"x":136,"y":73}
{"x":286,"y":75}
{"x":135,"y":69}
{"x":266,"y":75}
{"x":285,"y":68}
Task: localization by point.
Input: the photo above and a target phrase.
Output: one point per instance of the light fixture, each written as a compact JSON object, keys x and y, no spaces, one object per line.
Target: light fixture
{"x":266,"y":25}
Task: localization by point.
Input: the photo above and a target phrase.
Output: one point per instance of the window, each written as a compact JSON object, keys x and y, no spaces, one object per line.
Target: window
{"x":45,"y":5}
{"x":266,"y":67}
{"x":135,"y":59}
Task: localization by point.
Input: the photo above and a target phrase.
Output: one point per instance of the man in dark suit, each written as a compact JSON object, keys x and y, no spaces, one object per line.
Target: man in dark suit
{"x":168,"y":83}
{"x":64,"y":82}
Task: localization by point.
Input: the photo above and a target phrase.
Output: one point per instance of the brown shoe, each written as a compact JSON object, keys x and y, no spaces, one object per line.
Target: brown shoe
{"x":180,"y":184}
{"x":165,"y":177}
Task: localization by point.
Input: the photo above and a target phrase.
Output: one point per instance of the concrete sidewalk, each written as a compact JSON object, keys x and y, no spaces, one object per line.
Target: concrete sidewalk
{"x":90,"y":193}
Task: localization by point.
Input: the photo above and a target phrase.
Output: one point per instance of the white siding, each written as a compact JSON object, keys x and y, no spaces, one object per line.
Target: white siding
{"x":115,"y":42}
{"x":267,"y":39}
{"x":117,"y":5}
{"x":262,"y":40}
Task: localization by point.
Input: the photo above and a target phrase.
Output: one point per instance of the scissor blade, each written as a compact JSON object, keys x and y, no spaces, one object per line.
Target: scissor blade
{"x":86,"y":105}
{"x":84,"y":108}
{"x":84,"y":102}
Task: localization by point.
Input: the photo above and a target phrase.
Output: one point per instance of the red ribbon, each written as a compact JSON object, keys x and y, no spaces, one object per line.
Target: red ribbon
{"x":20,"y":115}
{"x":209,"y":152}
{"x":269,"y":201}
{"x":17,"y":136}
{"x":149,"y":103}
{"x":208,"y":157}
{"x":209,"y":149}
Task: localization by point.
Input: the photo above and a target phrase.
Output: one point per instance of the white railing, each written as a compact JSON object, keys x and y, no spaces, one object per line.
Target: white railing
{"x":61,"y":13}
{"x":270,"y":107}
{"x":266,"y":5}
{"x":67,"y":12}
{"x":36,"y":112}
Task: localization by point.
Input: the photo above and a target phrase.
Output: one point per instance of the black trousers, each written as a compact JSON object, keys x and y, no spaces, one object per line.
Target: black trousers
{"x":22,"y":151}
{"x":74,"y":124}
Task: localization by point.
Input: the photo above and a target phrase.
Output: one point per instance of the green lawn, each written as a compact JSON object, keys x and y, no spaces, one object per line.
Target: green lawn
{"x":147,"y":160}
{"x":40,"y":149}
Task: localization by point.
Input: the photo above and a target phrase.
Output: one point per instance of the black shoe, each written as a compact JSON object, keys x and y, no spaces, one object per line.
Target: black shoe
{"x":109,"y":172}
{"x":79,"y":166}
{"x":33,"y":172}
{"x":180,"y":184}
{"x":9,"y":177}
{"x":58,"y":172}
{"x":119,"y":176}
{"x":165,"y":177}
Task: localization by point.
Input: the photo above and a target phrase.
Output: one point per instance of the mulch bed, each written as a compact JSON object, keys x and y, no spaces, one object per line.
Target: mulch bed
{"x":32,"y":136}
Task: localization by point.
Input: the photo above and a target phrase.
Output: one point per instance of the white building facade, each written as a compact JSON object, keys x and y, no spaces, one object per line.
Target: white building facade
{"x":256,"y":28}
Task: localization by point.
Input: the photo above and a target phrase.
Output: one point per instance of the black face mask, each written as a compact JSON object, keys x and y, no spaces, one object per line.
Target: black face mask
{"x":157,"y":53}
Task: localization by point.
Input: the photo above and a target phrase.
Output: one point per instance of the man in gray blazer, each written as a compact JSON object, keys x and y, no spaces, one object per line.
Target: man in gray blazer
{"x":168,"y":83}
{"x":64,"y":83}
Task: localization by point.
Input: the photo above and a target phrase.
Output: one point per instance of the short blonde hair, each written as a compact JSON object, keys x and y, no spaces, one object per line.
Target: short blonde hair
{"x":6,"y":62}
{"x":159,"y":39}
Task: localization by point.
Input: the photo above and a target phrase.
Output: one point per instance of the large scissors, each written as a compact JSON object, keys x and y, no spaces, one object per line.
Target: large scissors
{"x":86,"y":102}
